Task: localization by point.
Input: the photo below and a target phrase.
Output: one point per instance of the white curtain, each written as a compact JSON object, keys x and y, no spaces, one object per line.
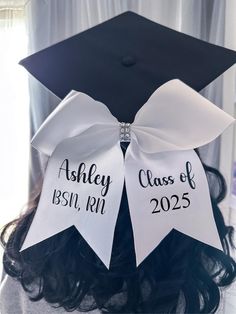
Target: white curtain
{"x":14,"y":111}
{"x":50,"y":21}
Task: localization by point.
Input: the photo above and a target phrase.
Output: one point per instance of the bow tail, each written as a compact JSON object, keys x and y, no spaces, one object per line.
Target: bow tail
{"x":81,"y":189}
{"x":166,"y":191}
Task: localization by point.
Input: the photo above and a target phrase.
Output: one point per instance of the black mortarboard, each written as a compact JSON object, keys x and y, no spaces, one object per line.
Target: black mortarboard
{"x":123,"y":60}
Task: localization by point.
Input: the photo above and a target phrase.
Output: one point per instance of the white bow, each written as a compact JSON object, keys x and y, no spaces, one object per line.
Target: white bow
{"x":165,"y":181}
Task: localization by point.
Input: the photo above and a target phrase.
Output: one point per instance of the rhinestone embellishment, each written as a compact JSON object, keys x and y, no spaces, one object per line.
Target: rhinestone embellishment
{"x":125,"y":132}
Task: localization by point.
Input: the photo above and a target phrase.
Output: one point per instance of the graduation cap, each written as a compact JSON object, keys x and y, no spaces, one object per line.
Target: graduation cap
{"x":123,"y":60}
{"x":120,"y":62}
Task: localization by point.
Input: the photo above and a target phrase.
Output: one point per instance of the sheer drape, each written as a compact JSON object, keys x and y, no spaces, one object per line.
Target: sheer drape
{"x":14,"y":106}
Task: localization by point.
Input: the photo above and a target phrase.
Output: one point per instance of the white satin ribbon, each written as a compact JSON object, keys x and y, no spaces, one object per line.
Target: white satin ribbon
{"x":166,"y":184}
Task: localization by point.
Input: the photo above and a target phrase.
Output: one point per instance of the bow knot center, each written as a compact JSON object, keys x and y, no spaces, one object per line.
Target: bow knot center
{"x":125,"y":132}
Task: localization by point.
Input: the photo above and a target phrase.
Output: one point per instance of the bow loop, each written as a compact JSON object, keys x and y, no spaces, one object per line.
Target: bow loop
{"x":77,"y":113}
{"x":176,"y":117}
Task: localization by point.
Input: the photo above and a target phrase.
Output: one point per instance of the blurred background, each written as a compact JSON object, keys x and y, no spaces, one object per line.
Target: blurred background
{"x":29,"y":26}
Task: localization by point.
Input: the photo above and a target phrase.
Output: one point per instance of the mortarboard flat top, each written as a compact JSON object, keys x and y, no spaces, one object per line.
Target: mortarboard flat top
{"x":123,"y":60}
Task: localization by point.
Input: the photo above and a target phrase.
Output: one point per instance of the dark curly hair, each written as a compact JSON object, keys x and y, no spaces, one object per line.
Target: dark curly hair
{"x":66,"y":272}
